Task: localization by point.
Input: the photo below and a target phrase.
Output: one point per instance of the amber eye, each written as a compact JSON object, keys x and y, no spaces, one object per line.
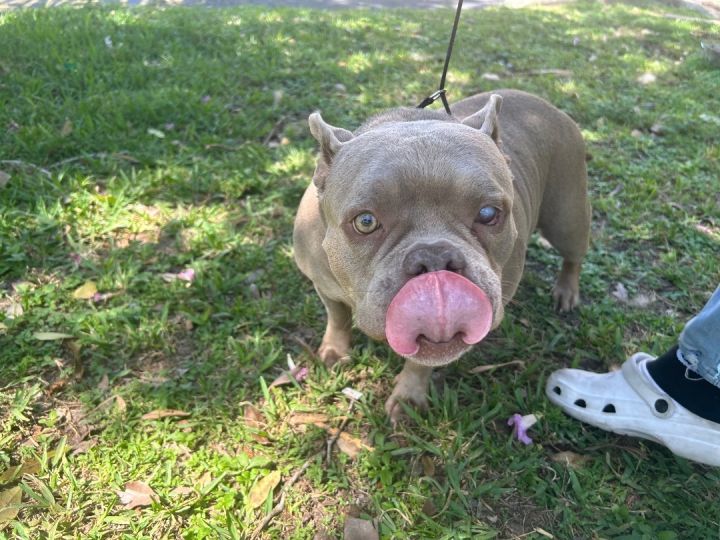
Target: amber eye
{"x":488,"y":215}
{"x":365,"y":223}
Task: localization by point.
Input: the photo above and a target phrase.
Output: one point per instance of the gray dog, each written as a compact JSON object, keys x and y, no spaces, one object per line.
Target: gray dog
{"x":417,"y":225}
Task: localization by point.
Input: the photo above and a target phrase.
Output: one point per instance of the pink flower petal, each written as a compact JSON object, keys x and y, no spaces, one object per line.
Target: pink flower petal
{"x":520,"y":426}
{"x":186,"y":275}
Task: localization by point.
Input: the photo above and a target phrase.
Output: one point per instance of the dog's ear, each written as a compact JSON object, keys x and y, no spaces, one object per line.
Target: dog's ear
{"x":486,"y":119}
{"x":330,"y":137}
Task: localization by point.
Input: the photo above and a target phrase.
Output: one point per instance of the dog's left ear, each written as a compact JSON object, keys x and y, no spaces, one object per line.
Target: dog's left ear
{"x":486,"y":119}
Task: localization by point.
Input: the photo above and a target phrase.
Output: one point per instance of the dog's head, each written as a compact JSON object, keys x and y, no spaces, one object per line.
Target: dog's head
{"x":418,"y":209}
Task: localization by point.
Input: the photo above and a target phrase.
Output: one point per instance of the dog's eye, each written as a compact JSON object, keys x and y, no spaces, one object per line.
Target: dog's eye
{"x":365,"y":223}
{"x":488,"y":215}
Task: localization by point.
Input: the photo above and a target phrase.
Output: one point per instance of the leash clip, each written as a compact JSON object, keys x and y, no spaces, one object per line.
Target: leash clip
{"x":432,"y":98}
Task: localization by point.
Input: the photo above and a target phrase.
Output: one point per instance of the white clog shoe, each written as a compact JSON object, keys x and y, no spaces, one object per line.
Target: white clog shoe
{"x":628,"y":402}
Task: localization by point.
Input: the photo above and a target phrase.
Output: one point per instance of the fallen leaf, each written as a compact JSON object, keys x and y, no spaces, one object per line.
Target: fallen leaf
{"x":350,"y":445}
{"x":67,"y":128}
{"x":203,"y":480}
{"x":57,"y":386}
{"x":50,"y":336}
{"x":156,"y":133}
{"x":636,"y":133}
{"x":136,"y":494}
{"x":490,"y":76}
{"x":359,"y":529}
{"x":83,"y":446}
{"x":164,"y":413}
{"x":428,"y":466}
{"x":571,"y":459}
{"x":318,"y":419}
{"x":298,"y":373}
{"x":253,"y":417}
{"x":4,"y":179}
{"x":104,"y":383}
{"x":10,"y":500}
{"x":490,"y":367}
{"x":120,"y":404}
{"x":181,"y":491}
{"x":10,"y":474}
{"x":262,"y":488}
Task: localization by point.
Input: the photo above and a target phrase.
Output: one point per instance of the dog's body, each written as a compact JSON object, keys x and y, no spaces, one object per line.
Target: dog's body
{"x":420,"y":198}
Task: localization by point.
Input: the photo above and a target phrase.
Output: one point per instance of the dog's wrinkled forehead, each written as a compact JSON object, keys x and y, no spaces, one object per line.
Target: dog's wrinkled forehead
{"x":408,"y":154}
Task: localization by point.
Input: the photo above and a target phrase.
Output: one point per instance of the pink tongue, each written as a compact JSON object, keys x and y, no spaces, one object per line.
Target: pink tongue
{"x":437,"y":305}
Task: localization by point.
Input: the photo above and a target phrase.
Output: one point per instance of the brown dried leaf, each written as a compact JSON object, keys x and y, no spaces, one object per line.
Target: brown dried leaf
{"x":136,"y":494}
{"x":350,"y":445}
{"x":181,"y":491}
{"x":10,"y":500}
{"x":259,"y":493}
{"x":10,"y":474}
{"x":203,"y":480}
{"x":164,"y":413}
{"x":84,"y":446}
{"x":428,"y":466}
{"x":571,"y":459}
{"x":253,"y":417}
{"x":317,"y":419}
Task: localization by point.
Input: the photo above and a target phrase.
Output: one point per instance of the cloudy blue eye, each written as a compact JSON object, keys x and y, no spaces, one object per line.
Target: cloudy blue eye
{"x":488,"y":215}
{"x":365,"y":223}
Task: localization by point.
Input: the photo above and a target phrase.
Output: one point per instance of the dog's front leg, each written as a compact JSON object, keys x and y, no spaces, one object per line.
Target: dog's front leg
{"x":411,"y":386}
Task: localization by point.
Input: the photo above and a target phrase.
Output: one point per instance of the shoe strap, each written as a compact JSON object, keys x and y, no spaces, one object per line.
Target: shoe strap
{"x":661,"y":405}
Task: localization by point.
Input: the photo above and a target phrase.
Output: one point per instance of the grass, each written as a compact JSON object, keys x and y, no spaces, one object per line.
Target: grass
{"x":142,"y":142}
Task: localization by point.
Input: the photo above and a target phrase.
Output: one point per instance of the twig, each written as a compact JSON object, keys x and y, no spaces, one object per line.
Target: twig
{"x":274,"y":131}
{"x":19,"y":163}
{"x":332,"y":440}
{"x":281,"y":503}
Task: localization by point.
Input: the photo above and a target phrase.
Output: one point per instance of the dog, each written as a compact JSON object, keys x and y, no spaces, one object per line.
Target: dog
{"x":417,"y":224}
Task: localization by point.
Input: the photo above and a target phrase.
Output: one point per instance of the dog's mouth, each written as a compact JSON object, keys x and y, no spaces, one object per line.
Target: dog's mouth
{"x":440,"y":353}
{"x":435,"y":317}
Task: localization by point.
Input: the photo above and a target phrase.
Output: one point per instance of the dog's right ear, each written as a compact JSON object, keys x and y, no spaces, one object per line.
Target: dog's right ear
{"x":331,"y":139}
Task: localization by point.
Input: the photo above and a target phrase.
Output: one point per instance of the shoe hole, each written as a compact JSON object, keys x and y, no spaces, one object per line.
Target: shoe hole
{"x":609,"y":408}
{"x":557,"y":390}
{"x":661,"y":406}
{"x":581,"y":403}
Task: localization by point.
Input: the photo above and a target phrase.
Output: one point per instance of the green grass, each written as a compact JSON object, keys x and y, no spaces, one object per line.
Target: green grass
{"x":122,"y":205}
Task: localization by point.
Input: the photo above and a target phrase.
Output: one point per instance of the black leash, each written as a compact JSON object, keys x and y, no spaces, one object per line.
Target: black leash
{"x":440,"y":93}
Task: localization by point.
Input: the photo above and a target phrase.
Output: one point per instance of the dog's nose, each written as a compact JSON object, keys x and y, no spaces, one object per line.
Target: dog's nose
{"x":424,"y":258}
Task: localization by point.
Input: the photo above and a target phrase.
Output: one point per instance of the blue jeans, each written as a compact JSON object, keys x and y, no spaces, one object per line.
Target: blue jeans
{"x":699,"y":344}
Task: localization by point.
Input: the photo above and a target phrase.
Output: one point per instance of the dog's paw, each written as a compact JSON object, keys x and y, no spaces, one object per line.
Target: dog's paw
{"x":411,"y":387}
{"x":332,"y":353}
{"x":565,"y":297}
